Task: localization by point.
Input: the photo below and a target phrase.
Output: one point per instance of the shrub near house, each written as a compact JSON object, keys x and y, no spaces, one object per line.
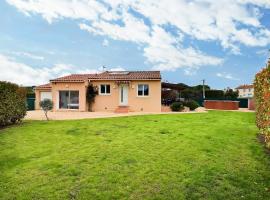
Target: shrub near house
{"x":262,"y":98}
{"x":12,"y":103}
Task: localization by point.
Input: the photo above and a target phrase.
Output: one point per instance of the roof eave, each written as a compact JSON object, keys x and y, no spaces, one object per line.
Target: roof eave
{"x":67,"y":81}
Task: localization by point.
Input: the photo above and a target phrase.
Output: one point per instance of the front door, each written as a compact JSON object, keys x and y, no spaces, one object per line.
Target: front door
{"x":123,"y":95}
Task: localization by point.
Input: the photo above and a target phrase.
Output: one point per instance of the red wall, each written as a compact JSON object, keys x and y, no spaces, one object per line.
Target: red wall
{"x":221,"y":105}
{"x":251,"y":104}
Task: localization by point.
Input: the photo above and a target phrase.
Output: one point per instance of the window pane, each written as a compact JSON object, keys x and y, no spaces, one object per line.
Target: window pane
{"x":122,"y":94}
{"x":63,"y":99}
{"x":140,"y":90}
{"x":146,"y":90}
{"x":74,"y":100}
{"x":102,"y":89}
{"x":108,"y":89}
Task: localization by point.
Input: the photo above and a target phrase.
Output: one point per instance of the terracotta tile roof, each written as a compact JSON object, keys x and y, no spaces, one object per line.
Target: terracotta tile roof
{"x":73,"y":78}
{"x":111,"y":75}
{"x":244,"y":87}
{"x":128,"y":75}
{"x":45,"y":86}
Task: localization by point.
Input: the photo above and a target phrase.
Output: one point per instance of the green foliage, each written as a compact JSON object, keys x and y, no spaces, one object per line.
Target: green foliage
{"x":46,"y":106}
{"x":12,"y":103}
{"x":191,"y":104}
{"x":169,"y":94}
{"x":212,"y":155}
{"x":214,"y":94}
{"x":91,"y":93}
{"x":200,"y":87}
{"x":177,"y":106}
{"x":191,"y":94}
{"x":230,"y":94}
{"x":30,"y":90}
{"x":262,"y":98}
{"x":173,"y":86}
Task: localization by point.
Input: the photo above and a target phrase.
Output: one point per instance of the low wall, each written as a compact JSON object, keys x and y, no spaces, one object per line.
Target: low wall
{"x":221,"y":104}
{"x":165,"y":108}
{"x":251,"y":104}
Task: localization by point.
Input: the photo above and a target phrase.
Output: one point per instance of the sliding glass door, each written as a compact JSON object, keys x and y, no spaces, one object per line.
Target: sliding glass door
{"x":69,"y":99}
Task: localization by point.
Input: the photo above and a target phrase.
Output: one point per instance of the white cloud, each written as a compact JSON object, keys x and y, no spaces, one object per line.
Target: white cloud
{"x":228,"y":22}
{"x":27,"y":54}
{"x":105,"y":43}
{"x":23,"y":74}
{"x":26,"y":75}
{"x":263,"y":52}
{"x":227,"y":76}
{"x":119,"y":68}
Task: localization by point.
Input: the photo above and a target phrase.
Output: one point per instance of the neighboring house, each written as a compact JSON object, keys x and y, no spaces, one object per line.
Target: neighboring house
{"x":245,"y":91}
{"x":118,"y":91}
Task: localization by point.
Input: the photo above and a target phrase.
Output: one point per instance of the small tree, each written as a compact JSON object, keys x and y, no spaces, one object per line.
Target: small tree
{"x":92,"y":92}
{"x":46,"y":106}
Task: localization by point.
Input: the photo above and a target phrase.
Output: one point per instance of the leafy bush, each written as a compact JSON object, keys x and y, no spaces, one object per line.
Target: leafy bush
{"x":214,"y":94}
{"x":262,"y":99}
{"x":46,"y":106}
{"x":191,"y":104}
{"x":177,"y":106}
{"x":12,"y":103}
{"x":92,"y":92}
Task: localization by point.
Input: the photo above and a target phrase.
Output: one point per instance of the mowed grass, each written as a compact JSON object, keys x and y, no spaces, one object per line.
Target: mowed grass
{"x":212,"y":155}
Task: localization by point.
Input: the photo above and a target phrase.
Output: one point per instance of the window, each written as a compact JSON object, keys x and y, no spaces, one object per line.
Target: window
{"x":143,"y":90}
{"x":105,"y":89}
{"x":69,"y":99}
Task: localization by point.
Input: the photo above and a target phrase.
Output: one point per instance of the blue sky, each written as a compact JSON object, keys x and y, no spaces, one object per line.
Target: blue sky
{"x":225,"y":42}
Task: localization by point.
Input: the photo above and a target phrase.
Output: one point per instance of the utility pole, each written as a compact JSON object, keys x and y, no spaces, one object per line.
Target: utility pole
{"x":203,"y":81}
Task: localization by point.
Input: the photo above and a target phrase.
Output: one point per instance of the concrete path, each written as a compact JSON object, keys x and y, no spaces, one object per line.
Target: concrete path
{"x":39,"y":115}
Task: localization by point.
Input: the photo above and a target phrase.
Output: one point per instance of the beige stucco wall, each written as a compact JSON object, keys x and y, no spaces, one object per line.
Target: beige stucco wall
{"x":38,"y":97}
{"x":81,"y":87}
{"x":151,"y":103}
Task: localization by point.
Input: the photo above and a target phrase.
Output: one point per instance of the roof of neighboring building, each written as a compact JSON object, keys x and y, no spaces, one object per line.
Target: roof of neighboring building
{"x":45,"y":86}
{"x":244,"y":87}
{"x":111,"y":75}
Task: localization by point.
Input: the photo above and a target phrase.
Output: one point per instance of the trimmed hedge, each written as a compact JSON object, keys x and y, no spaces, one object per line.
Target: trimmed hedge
{"x":191,"y":104}
{"x":12,"y":103}
{"x":177,"y":106}
{"x":262,"y":99}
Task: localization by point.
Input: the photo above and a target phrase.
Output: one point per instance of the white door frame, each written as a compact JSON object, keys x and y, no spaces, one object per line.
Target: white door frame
{"x":123,"y":95}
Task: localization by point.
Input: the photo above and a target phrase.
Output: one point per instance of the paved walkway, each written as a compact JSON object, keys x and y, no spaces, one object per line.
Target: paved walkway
{"x":39,"y":114}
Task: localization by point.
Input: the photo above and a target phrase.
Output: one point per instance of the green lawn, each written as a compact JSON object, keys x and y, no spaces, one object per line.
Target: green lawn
{"x":212,"y":155}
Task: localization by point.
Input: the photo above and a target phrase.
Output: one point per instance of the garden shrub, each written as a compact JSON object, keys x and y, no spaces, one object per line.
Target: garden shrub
{"x":177,"y":106}
{"x":92,"y":92}
{"x":46,"y":106}
{"x":191,"y":104}
{"x":262,"y":99}
{"x":12,"y":103}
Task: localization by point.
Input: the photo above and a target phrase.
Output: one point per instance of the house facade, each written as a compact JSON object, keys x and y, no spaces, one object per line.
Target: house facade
{"x":245,"y":91}
{"x":118,"y":91}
